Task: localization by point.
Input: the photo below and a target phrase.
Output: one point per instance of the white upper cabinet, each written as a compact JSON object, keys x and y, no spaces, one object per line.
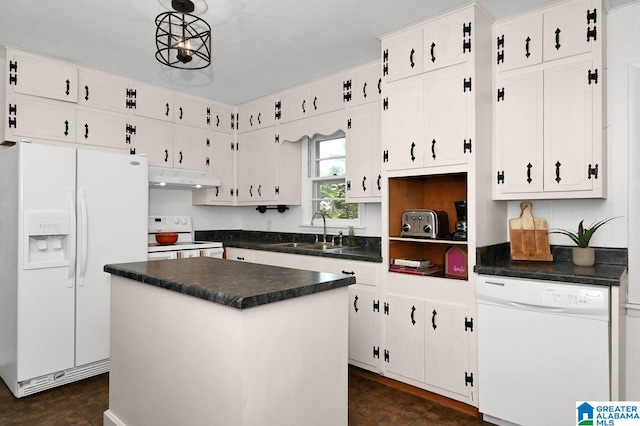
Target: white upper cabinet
{"x":257,"y":114}
{"x":101,"y":128}
{"x":363,"y":85}
{"x":448,"y":40}
{"x":294,"y":104}
{"x":402,"y":55}
{"x":549,"y":116}
{"x":519,"y":43}
{"x":571,"y":29}
{"x":289,"y":170}
{"x":519,"y":134}
{"x":256,"y":160}
{"x":191,"y":148}
{"x":30,"y":117}
{"x":222,"y":155}
{"x":152,"y":102}
{"x":222,"y":118}
{"x":153,"y":138}
{"x":364,"y":154}
{"x":102,"y":90}
{"x":35,"y":75}
{"x":326,"y":95}
{"x":192,"y":111}
{"x":447,"y":96}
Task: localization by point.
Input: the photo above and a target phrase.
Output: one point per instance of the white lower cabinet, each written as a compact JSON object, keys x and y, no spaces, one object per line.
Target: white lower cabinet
{"x":243,"y":255}
{"x":427,"y":342}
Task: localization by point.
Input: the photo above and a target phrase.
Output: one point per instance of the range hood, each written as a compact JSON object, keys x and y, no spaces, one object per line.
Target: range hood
{"x":160,"y":177}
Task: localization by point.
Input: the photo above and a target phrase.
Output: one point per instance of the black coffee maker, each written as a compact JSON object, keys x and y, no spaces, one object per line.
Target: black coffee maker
{"x":460,"y":233}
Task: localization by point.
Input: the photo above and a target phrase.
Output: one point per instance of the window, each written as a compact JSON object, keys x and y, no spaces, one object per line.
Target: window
{"x":327,"y":160}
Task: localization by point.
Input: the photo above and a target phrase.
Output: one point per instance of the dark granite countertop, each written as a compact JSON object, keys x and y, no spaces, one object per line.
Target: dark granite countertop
{"x":367,"y":248}
{"x":610,"y":267}
{"x":236,"y":284}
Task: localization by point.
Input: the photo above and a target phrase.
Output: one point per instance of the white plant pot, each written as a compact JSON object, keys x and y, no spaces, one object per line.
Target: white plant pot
{"x":584,"y":256}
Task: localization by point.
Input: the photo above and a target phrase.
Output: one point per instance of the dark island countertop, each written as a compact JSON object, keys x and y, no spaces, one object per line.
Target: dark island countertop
{"x":236,"y":284}
{"x":609,"y":269}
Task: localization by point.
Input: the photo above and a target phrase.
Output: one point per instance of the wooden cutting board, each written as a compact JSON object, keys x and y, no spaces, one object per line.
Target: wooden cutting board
{"x":529,"y":236}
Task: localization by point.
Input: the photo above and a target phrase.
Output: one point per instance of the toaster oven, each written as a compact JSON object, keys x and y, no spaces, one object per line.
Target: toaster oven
{"x":425,"y":224}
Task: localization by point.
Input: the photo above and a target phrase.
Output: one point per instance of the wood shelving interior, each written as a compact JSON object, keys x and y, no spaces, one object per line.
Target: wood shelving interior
{"x":433,"y":192}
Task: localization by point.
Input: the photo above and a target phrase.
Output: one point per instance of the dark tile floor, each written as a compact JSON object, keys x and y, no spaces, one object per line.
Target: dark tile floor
{"x":370,"y":403}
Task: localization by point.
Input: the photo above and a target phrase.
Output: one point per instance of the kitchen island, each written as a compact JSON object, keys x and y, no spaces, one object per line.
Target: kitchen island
{"x":205,"y":341}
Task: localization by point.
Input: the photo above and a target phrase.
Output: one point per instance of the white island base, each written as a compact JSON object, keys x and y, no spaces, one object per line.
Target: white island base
{"x":181,"y":360}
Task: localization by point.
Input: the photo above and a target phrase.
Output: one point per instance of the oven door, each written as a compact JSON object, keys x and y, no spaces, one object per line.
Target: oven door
{"x":182,"y":254}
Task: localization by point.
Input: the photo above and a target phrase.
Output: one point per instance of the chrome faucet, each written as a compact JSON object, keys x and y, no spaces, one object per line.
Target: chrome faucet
{"x":324,"y":224}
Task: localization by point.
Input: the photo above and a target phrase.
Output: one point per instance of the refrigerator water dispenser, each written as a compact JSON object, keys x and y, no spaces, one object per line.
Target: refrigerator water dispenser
{"x":47,"y":239}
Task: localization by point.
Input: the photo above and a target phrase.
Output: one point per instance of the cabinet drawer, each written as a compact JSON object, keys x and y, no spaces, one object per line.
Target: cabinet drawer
{"x":365,"y":272}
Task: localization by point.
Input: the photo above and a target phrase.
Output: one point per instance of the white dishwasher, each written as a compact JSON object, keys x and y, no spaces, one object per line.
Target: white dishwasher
{"x":542,"y":347}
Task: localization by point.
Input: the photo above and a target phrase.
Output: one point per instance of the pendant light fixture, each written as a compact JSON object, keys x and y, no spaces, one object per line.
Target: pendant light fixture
{"x":182,"y":39}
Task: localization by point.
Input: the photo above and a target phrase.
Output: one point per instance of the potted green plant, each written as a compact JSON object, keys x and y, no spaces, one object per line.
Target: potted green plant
{"x":583,"y":254}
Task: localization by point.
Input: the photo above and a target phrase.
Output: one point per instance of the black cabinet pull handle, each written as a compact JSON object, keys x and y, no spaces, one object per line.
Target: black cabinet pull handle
{"x":66,"y":127}
{"x":529,"y":166}
{"x":217,"y":191}
{"x":259,"y":121}
{"x":526,"y":47}
{"x":433,"y":57}
{"x":239,"y":258}
{"x":411,"y":63}
{"x":251,"y":191}
{"x":166,"y":155}
{"x":167,"y":113}
{"x":378,"y":183}
{"x":413,"y":311}
{"x":348,"y":272}
{"x":413,"y":145}
{"x":180,"y":161}
{"x":558,"y":38}
{"x":558,"y":179}
{"x":180,"y":113}
{"x":251,"y":120}
{"x":433,"y":149}
{"x":364,"y":187}
{"x":379,"y":85}
{"x":259,"y":190}
{"x":433,"y":319}
{"x":304,"y":102}
{"x":86,"y":93}
{"x":315,"y":99}
{"x":217,"y":121}
{"x":355,"y":303}
{"x":68,"y":87}
{"x":364,"y":89}
{"x":86,"y":131}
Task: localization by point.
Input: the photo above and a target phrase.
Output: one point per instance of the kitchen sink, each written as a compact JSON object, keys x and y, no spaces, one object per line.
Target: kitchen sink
{"x":314,"y":246}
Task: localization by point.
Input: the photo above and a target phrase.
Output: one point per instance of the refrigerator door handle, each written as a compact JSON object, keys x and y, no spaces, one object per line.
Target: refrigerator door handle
{"x":83,"y":236}
{"x":71,"y":198}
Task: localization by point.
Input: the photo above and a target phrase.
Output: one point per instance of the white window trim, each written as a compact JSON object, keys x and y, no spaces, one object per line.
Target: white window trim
{"x":336,"y":225}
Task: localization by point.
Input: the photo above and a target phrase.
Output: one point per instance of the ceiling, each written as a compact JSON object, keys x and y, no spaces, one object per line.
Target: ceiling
{"x":258,"y":46}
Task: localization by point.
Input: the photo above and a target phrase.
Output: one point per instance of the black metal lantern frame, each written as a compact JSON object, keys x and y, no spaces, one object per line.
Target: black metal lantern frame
{"x":183,"y":41}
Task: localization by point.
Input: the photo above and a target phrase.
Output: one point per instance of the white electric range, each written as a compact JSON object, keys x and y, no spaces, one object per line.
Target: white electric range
{"x":185,"y":246}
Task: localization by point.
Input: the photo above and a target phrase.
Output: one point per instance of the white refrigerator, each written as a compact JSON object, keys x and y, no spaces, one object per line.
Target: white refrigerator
{"x":64,"y":214}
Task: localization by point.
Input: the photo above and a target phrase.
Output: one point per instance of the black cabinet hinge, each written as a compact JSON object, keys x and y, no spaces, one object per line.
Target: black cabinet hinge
{"x":348,"y":123}
{"x":466,"y":30}
{"x":376,"y":352}
{"x":592,"y":76}
{"x":500,"y":177}
{"x":386,"y":355}
{"x":13,"y":70}
{"x":376,"y":306}
{"x":385,"y":156}
{"x":500,"y":57}
{"x":208,"y":116}
{"x":346,"y":91}
{"x":385,"y":104}
{"x":207,"y":162}
{"x":348,"y":185}
{"x":466,"y":145}
{"x":500,"y":49}
{"x":130,"y":104}
{"x":592,"y":171}
{"x":386,"y":308}
{"x":468,"y":379}
{"x":277,"y":190}
{"x":467,"y":85}
{"x":500,"y":42}
{"x":501,"y":94}
{"x":278,"y":110}
{"x":385,"y":62}
{"x":13,"y":109}
{"x":13,"y":66}
{"x":592,"y":33}
{"x":131,"y":96}
{"x":208,"y":143}
{"x":233,"y":121}
{"x":276,"y":138}
{"x":468,"y":324}
{"x":13,"y":122}
{"x":132,"y":151}
{"x":592,"y":16}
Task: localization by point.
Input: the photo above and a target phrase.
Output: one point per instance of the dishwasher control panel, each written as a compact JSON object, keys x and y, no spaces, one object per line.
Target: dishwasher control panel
{"x":573,"y":297}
